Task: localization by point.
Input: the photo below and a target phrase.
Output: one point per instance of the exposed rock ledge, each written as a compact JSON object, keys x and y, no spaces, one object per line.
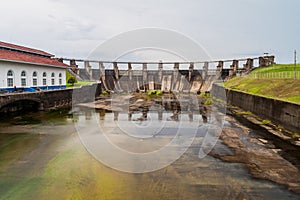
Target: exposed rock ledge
{"x":262,"y":162}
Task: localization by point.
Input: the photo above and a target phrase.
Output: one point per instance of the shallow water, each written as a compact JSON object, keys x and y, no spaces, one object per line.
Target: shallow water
{"x":47,"y":160}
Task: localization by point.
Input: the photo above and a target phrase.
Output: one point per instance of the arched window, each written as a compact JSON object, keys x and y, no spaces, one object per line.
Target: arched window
{"x":10,"y":78}
{"x":52,"y":78}
{"x":23,"y":78}
{"x":23,"y":73}
{"x":34,"y":79}
{"x":44,"y":78}
{"x":60,"y":78}
{"x":10,"y":73}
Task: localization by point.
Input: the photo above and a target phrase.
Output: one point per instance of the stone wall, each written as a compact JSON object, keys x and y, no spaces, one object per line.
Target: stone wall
{"x":44,"y":100}
{"x":280,"y":112}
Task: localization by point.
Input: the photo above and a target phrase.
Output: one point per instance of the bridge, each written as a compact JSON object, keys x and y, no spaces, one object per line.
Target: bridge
{"x":47,"y":99}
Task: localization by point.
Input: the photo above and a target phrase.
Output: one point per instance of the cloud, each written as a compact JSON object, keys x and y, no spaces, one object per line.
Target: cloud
{"x":224,"y":28}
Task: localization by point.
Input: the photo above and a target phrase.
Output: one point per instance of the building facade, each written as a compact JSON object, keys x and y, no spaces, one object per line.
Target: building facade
{"x":26,"y":69}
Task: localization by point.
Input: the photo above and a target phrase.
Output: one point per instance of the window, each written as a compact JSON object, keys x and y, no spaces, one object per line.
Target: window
{"x":23,"y":78}
{"x":52,"y":79}
{"x":60,"y":79}
{"x":23,"y":73}
{"x":10,"y":78}
{"x":34,"y":82}
{"x":34,"y":79}
{"x":23,"y":82}
{"x":10,"y":73}
{"x":44,"y":78}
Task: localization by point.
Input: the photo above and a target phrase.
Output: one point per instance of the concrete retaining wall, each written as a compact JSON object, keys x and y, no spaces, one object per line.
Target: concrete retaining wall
{"x":280,"y":112}
{"x":44,"y":100}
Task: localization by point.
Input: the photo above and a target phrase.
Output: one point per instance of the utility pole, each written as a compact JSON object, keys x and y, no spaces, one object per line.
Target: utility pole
{"x":295,"y":63}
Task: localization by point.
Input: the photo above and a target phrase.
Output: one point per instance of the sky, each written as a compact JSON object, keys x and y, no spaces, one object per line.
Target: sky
{"x":224,"y":28}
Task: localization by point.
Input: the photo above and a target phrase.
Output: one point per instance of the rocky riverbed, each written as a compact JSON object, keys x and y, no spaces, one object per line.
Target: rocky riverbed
{"x":262,"y":159}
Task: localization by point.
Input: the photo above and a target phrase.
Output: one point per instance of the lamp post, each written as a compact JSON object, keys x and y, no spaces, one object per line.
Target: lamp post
{"x":295,"y":63}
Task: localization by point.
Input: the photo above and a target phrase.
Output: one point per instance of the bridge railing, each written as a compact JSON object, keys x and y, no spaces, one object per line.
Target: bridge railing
{"x":276,"y":75}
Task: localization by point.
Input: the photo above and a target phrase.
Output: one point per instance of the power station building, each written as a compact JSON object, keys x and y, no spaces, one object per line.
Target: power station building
{"x":27,"y":69}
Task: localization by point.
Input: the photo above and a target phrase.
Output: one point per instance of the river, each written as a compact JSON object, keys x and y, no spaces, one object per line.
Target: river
{"x":43,"y":157}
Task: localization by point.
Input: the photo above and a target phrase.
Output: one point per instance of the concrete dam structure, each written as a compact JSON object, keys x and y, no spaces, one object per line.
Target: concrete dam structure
{"x":193,"y":79}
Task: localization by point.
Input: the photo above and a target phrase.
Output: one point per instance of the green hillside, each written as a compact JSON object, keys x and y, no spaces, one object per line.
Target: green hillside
{"x":287,"y":89}
{"x":277,"y":68}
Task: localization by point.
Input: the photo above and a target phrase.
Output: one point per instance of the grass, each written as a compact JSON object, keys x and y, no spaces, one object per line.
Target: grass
{"x":77,"y":83}
{"x":283,"y":89}
{"x":276,"y":71}
{"x":277,"y":68}
{"x":80,"y":83}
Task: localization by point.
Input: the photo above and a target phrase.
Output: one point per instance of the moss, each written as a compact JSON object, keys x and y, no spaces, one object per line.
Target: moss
{"x":244,"y":113}
{"x":208,"y":102}
{"x":266,"y":122}
{"x":296,"y":135}
{"x":104,"y":92}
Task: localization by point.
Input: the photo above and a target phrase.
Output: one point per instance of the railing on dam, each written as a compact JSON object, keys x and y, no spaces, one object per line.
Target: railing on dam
{"x":276,"y":75}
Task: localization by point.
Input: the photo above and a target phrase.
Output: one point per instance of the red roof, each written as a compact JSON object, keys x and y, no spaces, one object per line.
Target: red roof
{"x":25,"y":49}
{"x":16,"y":56}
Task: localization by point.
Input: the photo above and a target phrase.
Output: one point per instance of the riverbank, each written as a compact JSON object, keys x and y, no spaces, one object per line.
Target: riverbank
{"x":268,"y":126}
{"x":260,"y":155}
{"x":282,"y":113}
{"x":280,"y":89}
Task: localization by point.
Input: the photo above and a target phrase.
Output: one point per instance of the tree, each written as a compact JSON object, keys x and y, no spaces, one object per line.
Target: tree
{"x":71,"y":80}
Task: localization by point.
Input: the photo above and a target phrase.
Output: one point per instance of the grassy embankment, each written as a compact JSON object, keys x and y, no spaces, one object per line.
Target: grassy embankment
{"x":287,"y":89}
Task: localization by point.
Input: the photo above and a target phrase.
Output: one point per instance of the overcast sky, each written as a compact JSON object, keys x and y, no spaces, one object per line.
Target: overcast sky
{"x":225,"y":28}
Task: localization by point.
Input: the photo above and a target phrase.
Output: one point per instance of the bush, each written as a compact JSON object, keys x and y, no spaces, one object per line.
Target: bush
{"x":159,"y":92}
{"x":151,"y":92}
{"x":204,"y":95}
{"x":71,"y":80}
{"x":104,"y":92}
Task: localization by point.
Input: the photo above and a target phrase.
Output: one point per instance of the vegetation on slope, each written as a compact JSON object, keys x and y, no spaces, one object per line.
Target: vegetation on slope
{"x":284,"y":89}
{"x":277,"y":68}
{"x":72,"y":82}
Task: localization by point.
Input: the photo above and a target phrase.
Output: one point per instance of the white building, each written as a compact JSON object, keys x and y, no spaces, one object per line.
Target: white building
{"x":27,"y":69}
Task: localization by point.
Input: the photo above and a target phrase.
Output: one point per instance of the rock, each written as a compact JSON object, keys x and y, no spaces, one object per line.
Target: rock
{"x":263,"y":141}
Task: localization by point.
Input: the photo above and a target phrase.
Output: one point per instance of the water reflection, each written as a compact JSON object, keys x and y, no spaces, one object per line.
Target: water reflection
{"x":145,"y":130}
{"x":162,"y":107}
